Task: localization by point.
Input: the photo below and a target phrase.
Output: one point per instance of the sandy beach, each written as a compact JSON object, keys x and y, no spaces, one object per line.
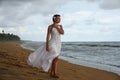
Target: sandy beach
{"x":13,"y":66}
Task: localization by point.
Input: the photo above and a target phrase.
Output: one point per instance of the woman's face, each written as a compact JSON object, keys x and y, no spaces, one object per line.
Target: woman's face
{"x":57,"y":19}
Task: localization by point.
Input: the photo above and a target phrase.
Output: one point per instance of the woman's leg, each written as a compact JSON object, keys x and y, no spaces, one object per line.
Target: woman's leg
{"x":54,"y":67}
{"x":52,"y":71}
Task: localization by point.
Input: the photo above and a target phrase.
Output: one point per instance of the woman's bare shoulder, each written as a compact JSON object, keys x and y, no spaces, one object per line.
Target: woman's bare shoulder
{"x":50,"y":26}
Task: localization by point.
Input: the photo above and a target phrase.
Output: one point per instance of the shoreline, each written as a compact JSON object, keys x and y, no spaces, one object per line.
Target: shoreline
{"x":27,"y":45}
{"x":13,"y":59}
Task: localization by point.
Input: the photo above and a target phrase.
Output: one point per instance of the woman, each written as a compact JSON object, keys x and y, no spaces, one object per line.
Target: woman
{"x":47,"y":54}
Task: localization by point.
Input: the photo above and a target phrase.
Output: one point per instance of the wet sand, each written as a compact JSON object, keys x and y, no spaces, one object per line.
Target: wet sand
{"x":13,"y":66}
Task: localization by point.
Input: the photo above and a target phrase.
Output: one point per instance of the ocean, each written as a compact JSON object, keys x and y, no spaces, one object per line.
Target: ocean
{"x":100,"y":55}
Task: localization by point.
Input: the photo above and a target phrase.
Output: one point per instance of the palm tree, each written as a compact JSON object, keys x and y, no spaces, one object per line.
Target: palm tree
{"x":3,"y":31}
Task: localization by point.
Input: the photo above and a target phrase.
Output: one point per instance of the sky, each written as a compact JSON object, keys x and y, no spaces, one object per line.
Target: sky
{"x":82,"y":20}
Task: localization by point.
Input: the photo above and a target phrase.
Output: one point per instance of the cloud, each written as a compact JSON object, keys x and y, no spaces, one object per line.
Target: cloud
{"x":92,"y":0}
{"x":109,"y":20}
{"x":110,"y":4}
{"x":28,"y":17}
{"x":14,"y":12}
{"x":76,"y":18}
{"x":107,"y":4}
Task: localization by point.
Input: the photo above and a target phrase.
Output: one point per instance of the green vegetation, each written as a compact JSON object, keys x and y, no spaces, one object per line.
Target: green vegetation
{"x":8,"y":37}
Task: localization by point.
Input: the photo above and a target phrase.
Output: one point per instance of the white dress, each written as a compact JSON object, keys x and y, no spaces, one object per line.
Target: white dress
{"x":42,"y":58}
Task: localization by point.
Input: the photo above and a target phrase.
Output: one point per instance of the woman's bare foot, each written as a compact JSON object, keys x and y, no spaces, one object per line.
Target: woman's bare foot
{"x":54,"y":76}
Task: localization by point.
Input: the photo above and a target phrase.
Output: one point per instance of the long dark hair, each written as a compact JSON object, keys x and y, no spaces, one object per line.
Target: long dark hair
{"x":54,"y":16}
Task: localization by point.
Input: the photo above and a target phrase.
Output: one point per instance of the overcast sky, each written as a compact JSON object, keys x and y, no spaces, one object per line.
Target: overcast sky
{"x":83,"y":20}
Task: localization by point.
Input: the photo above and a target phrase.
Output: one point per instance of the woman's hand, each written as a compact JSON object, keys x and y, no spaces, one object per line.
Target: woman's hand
{"x":60,"y":29}
{"x":47,"y":49}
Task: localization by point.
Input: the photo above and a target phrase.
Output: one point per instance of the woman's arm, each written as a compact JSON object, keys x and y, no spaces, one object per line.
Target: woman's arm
{"x":60,"y":29}
{"x":48,"y":37}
